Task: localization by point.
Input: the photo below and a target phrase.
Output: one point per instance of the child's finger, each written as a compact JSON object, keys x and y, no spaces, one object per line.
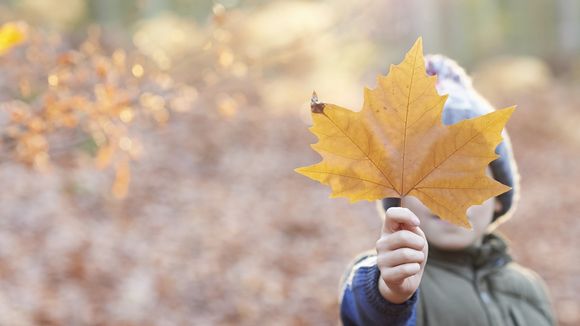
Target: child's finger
{"x":419,"y":232}
{"x":399,"y":257}
{"x":397,"y":218}
{"x":415,"y":229}
{"x":394,"y":275}
{"x":401,"y":239}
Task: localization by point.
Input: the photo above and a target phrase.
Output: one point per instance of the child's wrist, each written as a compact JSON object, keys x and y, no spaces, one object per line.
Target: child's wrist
{"x":390,"y":296}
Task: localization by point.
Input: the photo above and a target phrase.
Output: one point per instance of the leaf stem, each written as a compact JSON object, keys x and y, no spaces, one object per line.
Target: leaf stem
{"x":398,"y":202}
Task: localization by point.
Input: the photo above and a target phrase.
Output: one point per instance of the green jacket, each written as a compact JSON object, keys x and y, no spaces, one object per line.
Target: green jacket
{"x":475,"y":286}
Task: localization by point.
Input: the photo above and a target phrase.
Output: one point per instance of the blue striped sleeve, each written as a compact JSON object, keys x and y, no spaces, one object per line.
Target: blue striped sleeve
{"x":362,"y":303}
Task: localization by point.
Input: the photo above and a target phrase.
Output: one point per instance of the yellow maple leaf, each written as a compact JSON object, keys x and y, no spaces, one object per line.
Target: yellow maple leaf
{"x":397,"y":145}
{"x":11,"y":34}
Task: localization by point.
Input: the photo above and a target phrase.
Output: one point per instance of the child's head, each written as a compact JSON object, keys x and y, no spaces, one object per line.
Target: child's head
{"x":464,"y":103}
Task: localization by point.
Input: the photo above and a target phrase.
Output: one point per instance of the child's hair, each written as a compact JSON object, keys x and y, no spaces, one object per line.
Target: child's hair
{"x":464,"y":102}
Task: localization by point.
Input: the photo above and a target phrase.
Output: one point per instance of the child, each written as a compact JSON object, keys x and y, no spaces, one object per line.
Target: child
{"x":428,"y":272}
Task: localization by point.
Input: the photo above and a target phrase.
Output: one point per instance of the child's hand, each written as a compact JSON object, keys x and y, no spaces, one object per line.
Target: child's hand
{"x":401,"y":255}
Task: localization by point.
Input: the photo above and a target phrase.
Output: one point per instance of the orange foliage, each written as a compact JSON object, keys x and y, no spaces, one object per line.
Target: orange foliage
{"x":88,"y":97}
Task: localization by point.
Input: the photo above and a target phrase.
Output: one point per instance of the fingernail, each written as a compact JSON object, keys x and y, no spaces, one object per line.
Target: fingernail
{"x":416,"y":222}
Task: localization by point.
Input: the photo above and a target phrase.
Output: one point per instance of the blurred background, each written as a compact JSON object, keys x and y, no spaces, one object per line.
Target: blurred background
{"x":147,"y":150}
